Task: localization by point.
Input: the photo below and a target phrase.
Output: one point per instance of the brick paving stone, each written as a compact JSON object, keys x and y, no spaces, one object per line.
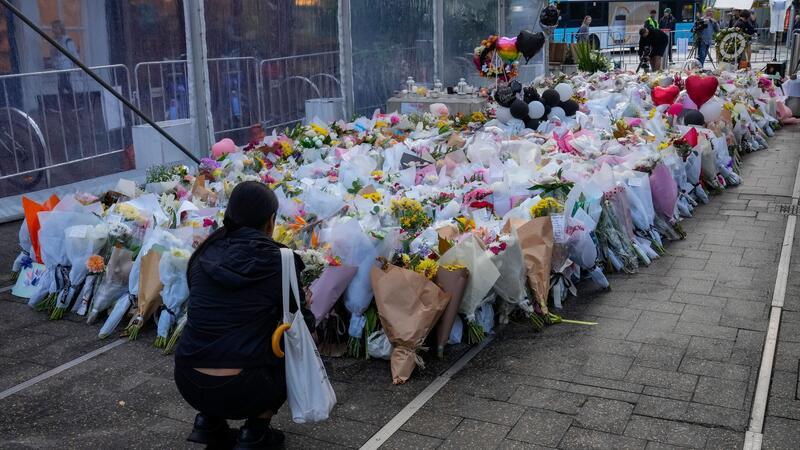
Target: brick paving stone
{"x":784,"y":407}
{"x":541,"y":427}
{"x":720,"y":392}
{"x":706,"y":330}
{"x":701,"y":314}
{"x":604,"y":415}
{"x":607,"y":383}
{"x":783,"y":385}
{"x":470,"y":407}
{"x":510,"y":444}
{"x":673,"y":394}
{"x":432,"y":423}
{"x":475,"y":434}
{"x":780,"y":433}
{"x":695,"y":286}
{"x":660,"y":407}
{"x":721,"y":439}
{"x":613,"y":394}
{"x":728,"y":371}
{"x":579,"y":438}
{"x":549,"y":399}
{"x":665,"y":338}
{"x":662,"y":378}
{"x":405,"y":440}
{"x":607,"y":366}
{"x":659,"y":356}
{"x":708,"y":348}
{"x":699,"y":300}
{"x":717,"y":416}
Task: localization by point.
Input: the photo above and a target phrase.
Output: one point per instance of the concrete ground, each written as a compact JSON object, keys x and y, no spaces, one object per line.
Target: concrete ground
{"x":672,"y":362}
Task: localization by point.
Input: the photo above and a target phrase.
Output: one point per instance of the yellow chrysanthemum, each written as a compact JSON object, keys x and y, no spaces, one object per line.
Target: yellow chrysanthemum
{"x":319,"y":130}
{"x":453,"y":267}
{"x":376,"y":197}
{"x":545,"y":207}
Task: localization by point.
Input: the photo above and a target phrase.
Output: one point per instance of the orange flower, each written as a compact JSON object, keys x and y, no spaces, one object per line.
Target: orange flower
{"x":299,"y":223}
{"x":95,"y":264}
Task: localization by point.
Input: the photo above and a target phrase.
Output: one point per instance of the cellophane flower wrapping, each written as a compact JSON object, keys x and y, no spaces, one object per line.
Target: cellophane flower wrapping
{"x":172,"y":271}
{"x":114,"y":282}
{"x":355,"y":248}
{"x":409,"y":305}
{"x":82,"y":241}
{"x":26,"y":247}
{"x":724,"y":161}
{"x":665,"y":192}
{"x":328,"y":288}
{"x":510,"y":285}
{"x":471,"y":254}
{"x":54,"y":249}
{"x":150,"y":286}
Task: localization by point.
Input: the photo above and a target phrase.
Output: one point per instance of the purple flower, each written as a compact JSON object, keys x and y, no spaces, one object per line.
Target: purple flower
{"x":209,"y":164}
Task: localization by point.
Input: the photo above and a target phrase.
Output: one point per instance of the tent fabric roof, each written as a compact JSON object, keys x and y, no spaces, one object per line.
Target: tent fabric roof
{"x":733,"y":4}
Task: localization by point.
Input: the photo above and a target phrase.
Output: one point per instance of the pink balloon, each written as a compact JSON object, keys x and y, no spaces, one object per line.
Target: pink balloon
{"x":223,"y":147}
{"x":675,"y":109}
{"x":688,"y":103}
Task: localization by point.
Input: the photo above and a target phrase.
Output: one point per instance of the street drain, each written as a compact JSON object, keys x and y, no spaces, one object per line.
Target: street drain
{"x":787,"y":209}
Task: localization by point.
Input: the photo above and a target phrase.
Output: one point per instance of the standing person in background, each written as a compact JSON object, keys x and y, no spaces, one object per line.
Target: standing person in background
{"x":796,"y":23}
{"x":652,"y":45}
{"x":59,"y":61}
{"x":652,"y":20}
{"x":705,"y":29}
{"x":667,"y":25}
{"x":583,"y":31}
{"x":745,"y":24}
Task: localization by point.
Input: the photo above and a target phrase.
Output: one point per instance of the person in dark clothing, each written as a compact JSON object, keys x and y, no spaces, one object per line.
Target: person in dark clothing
{"x":746,"y":26}
{"x":224,"y":364}
{"x":667,"y":25}
{"x":652,"y":45}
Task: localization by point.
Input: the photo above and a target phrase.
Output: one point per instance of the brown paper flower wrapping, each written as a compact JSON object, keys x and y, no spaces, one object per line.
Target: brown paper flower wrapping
{"x":536,"y":240}
{"x":409,"y":306}
{"x":114,"y":282}
{"x":149,"y":298}
{"x":453,"y":283}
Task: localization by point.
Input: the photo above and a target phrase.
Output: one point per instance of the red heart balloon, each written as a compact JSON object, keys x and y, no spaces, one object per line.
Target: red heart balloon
{"x":675,"y":109}
{"x":665,"y":95}
{"x":701,"y":88}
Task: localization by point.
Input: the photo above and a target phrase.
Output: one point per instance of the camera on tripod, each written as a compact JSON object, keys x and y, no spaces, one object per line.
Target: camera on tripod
{"x":699,"y":26}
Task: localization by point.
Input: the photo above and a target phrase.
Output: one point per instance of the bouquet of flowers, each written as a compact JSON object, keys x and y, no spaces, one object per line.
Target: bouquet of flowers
{"x":82,"y":241}
{"x":471,"y":254}
{"x":409,"y":305}
{"x":452,"y":279}
{"x":172,"y":272}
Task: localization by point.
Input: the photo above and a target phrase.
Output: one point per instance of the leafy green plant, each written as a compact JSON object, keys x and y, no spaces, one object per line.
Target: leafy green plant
{"x":589,"y":59}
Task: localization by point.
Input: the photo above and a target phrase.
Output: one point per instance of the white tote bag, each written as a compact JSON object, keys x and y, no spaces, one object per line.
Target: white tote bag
{"x":310,"y":394}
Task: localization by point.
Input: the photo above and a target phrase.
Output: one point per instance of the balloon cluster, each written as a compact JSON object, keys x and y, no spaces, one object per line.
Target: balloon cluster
{"x":532,"y":107}
{"x":699,"y":104}
{"x":508,"y":51}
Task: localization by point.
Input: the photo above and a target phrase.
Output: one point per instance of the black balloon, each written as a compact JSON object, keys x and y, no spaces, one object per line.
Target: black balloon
{"x":530,"y":94}
{"x":532,"y":123}
{"x":551,"y":97}
{"x":549,"y":16}
{"x":570,"y":107}
{"x":694,"y":117}
{"x":529,"y":43}
{"x":504,"y":96}
{"x":519,"y":109}
{"x":516,"y":87}
{"x":547,"y":109}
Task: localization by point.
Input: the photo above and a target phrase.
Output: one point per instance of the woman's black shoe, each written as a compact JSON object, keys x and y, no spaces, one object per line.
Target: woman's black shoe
{"x":213,"y":432}
{"x":257,"y":434}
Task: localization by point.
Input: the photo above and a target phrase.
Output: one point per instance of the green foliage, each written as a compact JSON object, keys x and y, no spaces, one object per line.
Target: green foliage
{"x":589,"y":59}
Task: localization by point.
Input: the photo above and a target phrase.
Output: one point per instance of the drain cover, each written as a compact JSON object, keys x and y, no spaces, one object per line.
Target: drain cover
{"x":786,"y":209}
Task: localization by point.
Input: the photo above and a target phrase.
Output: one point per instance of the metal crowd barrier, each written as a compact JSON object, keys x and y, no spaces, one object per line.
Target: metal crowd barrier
{"x":60,"y":126}
{"x":288,"y":82}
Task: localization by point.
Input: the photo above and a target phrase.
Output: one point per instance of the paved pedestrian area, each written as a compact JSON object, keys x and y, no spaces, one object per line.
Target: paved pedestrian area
{"x":672,"y":361}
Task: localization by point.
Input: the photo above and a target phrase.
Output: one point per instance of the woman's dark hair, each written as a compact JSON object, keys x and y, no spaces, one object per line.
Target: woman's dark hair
{"x":643,"y":32}
{"x":252,"y":205}
{"x":744,"y":14}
